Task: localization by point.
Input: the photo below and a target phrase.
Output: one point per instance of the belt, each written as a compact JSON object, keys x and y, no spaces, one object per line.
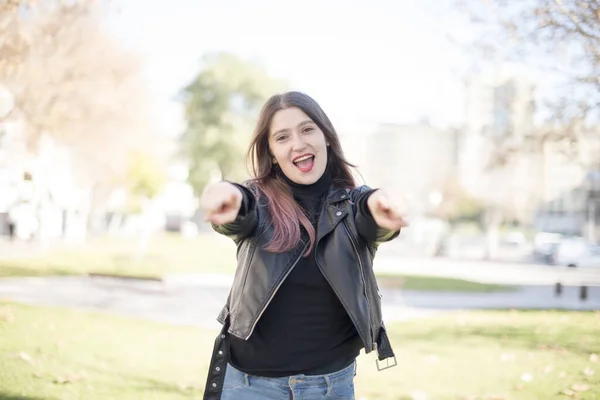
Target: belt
{"x":384,"y":351}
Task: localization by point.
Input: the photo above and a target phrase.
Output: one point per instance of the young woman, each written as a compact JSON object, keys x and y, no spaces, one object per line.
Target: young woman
{"x":304,"y":299}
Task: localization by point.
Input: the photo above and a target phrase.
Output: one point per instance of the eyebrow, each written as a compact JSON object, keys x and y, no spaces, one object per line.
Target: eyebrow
{"x":308,"y":121}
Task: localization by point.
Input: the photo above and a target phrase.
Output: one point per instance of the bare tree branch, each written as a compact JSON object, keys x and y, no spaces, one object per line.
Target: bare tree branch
{"x":73,"y":82}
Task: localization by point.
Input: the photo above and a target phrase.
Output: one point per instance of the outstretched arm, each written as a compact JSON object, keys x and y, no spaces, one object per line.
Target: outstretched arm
{"x":378,"y":219}
{"x":231,"y":209}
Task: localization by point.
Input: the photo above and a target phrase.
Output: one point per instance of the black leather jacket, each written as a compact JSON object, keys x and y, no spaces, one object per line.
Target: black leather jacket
{"x":347,"y":240}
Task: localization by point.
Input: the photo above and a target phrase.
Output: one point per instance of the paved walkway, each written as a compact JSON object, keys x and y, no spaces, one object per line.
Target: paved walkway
{"x":489,"y":271}
{"x":197,"y":300}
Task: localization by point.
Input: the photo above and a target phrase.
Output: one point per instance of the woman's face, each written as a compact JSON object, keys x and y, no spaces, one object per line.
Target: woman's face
{"x":298,"y":146}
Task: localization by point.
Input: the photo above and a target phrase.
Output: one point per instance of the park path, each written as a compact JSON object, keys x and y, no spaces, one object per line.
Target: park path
{"x":197,"y":299}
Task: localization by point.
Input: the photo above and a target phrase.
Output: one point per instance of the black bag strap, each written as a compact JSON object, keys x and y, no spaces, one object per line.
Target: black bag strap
{"x":218,"y":364}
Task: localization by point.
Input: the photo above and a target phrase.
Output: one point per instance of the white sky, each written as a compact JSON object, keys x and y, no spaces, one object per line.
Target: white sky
{"x":363,"y":61}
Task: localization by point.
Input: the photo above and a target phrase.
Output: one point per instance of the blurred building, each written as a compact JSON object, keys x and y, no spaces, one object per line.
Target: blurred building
{"x":354,"y":138}
{"x":413,"y":161}
{"x":571,"y":189}
{"x":39,"y":195}
{"x":499,"y":106}
{"x":563,"y":191}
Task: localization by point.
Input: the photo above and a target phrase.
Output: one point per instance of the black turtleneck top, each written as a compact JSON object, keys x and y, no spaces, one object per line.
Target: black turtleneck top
{"x":305,"y":329}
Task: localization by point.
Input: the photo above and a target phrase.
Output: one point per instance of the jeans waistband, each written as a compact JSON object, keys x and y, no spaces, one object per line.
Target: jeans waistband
{"x":343,"y":374}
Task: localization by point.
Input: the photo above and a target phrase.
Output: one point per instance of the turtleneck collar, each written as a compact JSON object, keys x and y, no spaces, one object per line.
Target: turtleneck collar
{"x":320,"y":187}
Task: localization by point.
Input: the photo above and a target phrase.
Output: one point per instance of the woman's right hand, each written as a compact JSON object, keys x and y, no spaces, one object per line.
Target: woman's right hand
{"x":221,"y":202}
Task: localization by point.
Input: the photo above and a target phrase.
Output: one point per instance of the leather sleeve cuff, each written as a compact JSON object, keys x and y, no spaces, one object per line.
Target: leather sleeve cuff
{"x":248,"y":200}
{"x":362,"y":204}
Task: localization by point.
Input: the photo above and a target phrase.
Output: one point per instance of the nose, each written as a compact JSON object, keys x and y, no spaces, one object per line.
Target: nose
{"x":298,"y":144}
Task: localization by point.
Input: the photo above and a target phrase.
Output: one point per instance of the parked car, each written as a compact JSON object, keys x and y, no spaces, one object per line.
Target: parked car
{"x":577,"y":252}
{"x":545,"y":245}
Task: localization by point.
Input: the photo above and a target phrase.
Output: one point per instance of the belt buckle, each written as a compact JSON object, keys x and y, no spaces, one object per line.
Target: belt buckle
{"x":388,"y":365}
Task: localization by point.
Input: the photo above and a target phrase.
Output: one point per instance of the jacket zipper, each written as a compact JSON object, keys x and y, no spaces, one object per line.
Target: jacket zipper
{"x":362,"y":276}
{"x":275,"y":291}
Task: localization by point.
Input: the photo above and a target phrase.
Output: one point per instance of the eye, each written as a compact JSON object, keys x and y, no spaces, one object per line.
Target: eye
{"x":281,"y":138}
{"x":308,"y":129}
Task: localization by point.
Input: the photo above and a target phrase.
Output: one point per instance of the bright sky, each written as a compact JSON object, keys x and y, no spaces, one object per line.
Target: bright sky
{"x":362,"y":60}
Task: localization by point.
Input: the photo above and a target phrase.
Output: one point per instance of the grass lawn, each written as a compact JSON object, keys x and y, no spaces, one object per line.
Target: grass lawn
{"x":49,"y":353}
{"x":438,"y":284}
{"x":167,"y":254}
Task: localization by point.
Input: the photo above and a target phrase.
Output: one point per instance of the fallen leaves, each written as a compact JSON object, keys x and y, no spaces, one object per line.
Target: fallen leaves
{"x":575,"y":389}
{"x":519,"y":386}
{"x":188,"y":387}
{"x":568,"y":392}
{"x":7,"y":315}
{"x":61,"y":379}
{"x":580,"y":387}
{"x":69,"y":378}
{"x":419,"y":395}
{"x":26,"y":357}
{"x":526,"y":377}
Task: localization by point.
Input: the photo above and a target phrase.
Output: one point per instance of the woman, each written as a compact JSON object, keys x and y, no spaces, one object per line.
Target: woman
{"x":304,"y":300}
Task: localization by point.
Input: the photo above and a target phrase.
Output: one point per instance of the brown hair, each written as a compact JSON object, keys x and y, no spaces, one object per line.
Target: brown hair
{"x":284,"y":212}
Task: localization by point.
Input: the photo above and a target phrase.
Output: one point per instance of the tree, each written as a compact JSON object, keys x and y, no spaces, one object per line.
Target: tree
{"x":561,"y":39}
{"x":145,"y":177}
{"x":457,"y":205}
{"x":221,"y":103}
{"x":509,"y":192}
{"x":73,"y":83}
{"x":557,"y":36}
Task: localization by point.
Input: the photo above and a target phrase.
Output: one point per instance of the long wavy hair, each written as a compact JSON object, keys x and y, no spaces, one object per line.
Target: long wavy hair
{"x":285,"y":214}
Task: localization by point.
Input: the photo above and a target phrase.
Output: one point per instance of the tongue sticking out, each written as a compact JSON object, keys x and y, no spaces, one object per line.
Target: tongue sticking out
{"x":305,"y":165}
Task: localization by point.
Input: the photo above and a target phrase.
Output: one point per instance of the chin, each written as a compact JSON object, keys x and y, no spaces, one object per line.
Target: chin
{"x":303,"y":178}
{"x":309,"y":179}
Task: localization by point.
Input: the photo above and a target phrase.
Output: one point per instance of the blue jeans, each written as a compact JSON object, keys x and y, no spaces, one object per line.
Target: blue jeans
{"x":337,"y":385}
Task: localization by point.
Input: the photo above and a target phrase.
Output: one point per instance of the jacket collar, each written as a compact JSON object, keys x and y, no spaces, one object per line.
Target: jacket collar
{"x":336,"y":195}
{"x":331,"y":214}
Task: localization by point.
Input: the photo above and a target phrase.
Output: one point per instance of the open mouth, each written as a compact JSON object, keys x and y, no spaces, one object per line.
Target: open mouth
{"x":305,"y":163}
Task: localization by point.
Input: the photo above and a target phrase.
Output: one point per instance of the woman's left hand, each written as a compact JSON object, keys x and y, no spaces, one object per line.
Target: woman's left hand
{"x":387,"y":213}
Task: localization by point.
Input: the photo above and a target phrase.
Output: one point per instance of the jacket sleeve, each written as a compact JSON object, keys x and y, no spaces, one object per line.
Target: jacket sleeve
{"x":247,"y":218}
{"x":365,"y":223}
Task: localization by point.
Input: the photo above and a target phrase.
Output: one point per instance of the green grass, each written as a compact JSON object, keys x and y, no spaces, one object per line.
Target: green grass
{"x":165,"y":253}
{"x":49,"y":353}
{"x":438,"y":284}
{"x":492,"y":355}
{"x":170,"y":253}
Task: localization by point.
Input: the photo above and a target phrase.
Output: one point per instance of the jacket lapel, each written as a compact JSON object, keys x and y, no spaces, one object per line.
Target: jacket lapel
{"x":332,"y":212}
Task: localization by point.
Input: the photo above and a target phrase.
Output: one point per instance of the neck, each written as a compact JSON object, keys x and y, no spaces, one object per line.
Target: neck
{"x":314,"y":189}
